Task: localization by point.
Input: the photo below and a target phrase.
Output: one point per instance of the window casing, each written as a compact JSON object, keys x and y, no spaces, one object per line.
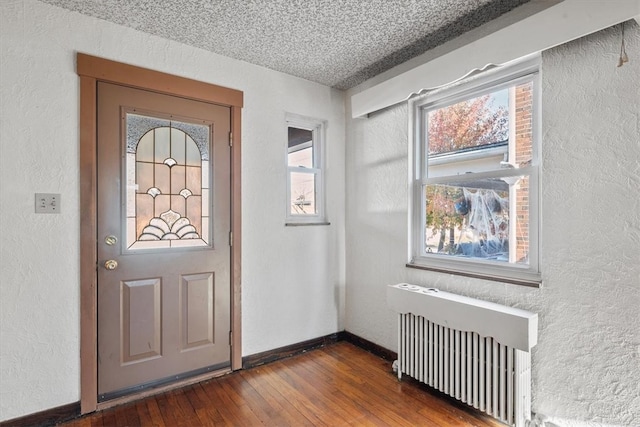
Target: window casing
{"x":474,"y":202}
{"x":305,"y":171}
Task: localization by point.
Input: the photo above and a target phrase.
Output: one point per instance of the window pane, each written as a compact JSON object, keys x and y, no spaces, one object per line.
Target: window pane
{"x":482,"y":219}
{"x":302,"y":158}
{"x":178,"y":147}
{"x":300,"y":147}
{"x":162,"y":144}
{"x":486,"y":133}
{"x":476,"y":122}
{"x":303,"y":193}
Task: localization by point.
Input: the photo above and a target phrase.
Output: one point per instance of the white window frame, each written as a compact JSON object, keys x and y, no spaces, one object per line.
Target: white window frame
{"x":504,"y":76}
{"x":318,"y":131}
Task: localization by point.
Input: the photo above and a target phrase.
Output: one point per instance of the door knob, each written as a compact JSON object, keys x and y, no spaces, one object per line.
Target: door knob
{"x":111,"y":264}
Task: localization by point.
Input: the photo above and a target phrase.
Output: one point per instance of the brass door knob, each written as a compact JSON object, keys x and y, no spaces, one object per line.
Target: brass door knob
{"x":111,"y":264}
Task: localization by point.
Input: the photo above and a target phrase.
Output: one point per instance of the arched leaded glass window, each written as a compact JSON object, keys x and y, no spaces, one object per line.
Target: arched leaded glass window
{"x":167,"y":166}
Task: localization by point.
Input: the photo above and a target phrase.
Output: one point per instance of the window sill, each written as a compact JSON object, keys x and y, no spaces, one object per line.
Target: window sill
{"x":302,"y":224}
{"x":532,"y":283}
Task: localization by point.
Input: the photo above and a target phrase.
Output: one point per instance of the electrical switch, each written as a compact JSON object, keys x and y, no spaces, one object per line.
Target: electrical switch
{"x":47,"y":203}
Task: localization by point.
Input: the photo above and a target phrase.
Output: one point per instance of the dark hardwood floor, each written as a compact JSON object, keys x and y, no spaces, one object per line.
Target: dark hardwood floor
{"x":337,"y":385}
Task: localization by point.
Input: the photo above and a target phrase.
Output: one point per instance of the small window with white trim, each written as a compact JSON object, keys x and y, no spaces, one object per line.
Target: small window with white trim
{"x":476,"y":177}
{"x":305,"y":171}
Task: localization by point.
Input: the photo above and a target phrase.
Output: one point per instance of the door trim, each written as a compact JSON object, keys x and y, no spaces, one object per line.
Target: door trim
{"x":91,"y":70}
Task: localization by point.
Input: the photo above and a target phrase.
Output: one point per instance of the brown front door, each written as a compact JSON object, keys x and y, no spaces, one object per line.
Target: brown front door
{"x":163,"y":239}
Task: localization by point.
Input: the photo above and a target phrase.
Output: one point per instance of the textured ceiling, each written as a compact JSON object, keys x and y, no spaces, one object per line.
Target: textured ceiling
{"x":339,"y":43}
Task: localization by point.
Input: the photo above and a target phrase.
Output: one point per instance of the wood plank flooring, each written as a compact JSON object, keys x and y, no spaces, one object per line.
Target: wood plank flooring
{"x":337,"y":385}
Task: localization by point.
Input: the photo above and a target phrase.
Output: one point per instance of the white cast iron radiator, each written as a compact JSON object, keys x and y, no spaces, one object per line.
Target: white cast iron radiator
{"x":475,"y":351}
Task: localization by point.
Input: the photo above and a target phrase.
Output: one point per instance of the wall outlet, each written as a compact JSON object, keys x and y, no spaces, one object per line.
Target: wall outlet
{"x":47,"y":203}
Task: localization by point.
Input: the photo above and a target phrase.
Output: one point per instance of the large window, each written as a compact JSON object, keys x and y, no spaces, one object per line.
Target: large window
{"x":305,"y":174}
{"x":475,"y":181}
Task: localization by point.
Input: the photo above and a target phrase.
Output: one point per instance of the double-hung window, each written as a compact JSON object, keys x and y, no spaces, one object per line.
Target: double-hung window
{"x":305,"y":171}
{"x":475,"y":183}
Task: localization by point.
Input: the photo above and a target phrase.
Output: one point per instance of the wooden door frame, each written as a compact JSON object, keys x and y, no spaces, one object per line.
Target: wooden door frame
{"x":92,"y":70}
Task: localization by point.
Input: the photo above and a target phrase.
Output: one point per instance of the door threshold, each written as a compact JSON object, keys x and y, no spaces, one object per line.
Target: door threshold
{"x":161,"y":389}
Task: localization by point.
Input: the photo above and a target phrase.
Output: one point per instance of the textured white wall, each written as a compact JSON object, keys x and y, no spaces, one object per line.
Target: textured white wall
{"x":586,"y":366}
{"x":293,"y":278}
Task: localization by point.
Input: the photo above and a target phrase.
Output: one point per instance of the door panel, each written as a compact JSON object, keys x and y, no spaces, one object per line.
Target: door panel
{"x":164,"y":219}
{"x":141,"y":320}
{"x":197,"y":310}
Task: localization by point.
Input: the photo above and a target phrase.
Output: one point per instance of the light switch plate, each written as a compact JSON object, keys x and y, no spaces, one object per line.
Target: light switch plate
{"x":47,"y":203}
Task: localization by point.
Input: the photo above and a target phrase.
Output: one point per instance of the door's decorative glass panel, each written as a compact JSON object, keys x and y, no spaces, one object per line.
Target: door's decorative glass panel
{"x":167,"y":179}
